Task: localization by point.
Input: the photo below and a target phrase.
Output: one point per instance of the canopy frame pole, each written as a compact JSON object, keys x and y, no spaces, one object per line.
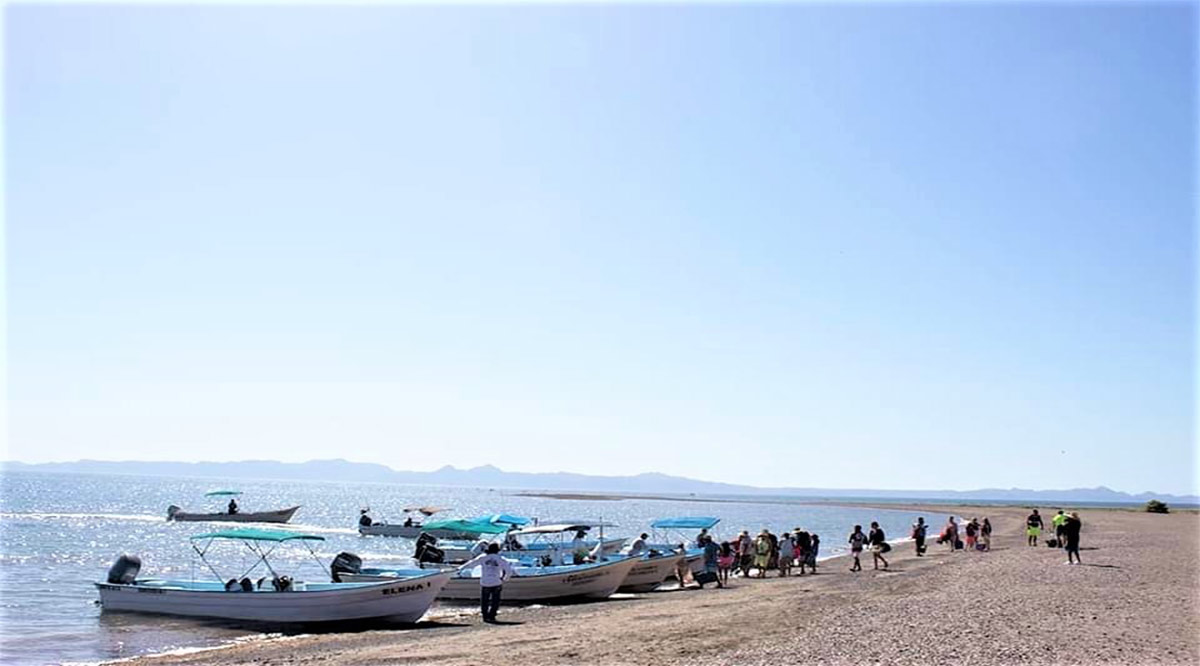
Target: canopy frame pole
{"x":205,"y":560}
{"x":312,"y":552}
{"x":262,"y":558}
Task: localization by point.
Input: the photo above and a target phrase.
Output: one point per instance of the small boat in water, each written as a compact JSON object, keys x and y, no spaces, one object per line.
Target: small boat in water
{"x":275,"y":599}
{"x":409,"y":529}
{"x":232,"y":514}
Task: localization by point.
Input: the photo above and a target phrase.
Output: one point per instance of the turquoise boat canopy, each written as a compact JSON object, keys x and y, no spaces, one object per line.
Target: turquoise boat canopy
{"x":685,"y":523}
{"x":468,"y":526}
{"x":252,"y":534}
{"x":222,"y":493}
{"x":502,"y":519}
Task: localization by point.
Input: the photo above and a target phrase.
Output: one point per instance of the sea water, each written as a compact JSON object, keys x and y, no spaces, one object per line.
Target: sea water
{"x":59,"y":533}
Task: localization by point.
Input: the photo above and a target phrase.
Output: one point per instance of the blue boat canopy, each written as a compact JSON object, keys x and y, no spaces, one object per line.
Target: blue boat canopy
{"x":685,"y":523}
{"x":254,"y":534}
{"x":222,"y":493}
{"x":467,"y":526}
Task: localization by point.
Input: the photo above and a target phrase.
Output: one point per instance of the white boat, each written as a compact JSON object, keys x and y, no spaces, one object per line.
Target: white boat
{"x":409,"y":529}
{"x":595,"y":580}
{"x":651,"y":570}
{"x":669,"y":533}
{"x":232,"y":515}
{"x":401,"y":599}
{"x":441,"y":529}
{"x":276,"y":516}
{"x":540,"y":540}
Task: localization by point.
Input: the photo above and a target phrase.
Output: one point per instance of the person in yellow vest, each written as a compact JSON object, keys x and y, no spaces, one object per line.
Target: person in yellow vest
{"x":1059,"y":520}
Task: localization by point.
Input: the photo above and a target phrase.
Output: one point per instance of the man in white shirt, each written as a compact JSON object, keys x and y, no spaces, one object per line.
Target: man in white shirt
{"x":638,"y":547}
{"x":496,"y":570}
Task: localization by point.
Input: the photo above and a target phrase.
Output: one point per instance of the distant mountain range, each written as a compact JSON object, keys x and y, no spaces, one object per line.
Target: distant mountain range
{"x":492,"y":477}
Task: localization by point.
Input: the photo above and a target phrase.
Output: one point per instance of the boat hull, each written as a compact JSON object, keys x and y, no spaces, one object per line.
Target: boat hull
{"x":403,"y":600}
{"x":588,"y":581}
{"x":278,"y":516}
{"x":461,"y":552}
{"x":650,"y":572}
{"x":406,"y":531}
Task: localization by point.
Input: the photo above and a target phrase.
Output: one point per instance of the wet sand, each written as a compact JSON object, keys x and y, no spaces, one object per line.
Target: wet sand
{"x":1135,"y":601}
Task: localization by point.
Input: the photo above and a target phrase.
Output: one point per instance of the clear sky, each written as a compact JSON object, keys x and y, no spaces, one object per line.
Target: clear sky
{"x":907,"y":246}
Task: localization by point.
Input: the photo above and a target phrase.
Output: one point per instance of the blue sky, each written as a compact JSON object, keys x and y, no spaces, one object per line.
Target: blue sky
{"x":913,"y":246}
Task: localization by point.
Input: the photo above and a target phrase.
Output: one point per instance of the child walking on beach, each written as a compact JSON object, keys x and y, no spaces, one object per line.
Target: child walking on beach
{"x":725,"y":562}
{"x":815,"y":545}
{"x":856,"y":541}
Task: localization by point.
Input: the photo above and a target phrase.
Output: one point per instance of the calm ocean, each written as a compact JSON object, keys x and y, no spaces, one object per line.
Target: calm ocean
{"x":60,"y":532}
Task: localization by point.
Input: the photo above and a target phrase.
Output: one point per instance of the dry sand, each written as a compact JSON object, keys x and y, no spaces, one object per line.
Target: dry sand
{"x":1135,"y":601}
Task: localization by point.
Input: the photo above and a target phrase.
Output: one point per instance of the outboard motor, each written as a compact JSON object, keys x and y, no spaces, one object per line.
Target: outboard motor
{"x":125,"y":570}
{"x":425,"y":539}
{"x":171,"y":511}
{"x":426,"y":552}
{"x":345,"y":563}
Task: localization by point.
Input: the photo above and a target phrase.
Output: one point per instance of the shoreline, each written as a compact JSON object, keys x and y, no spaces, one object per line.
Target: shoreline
{"x":1002,"y":602}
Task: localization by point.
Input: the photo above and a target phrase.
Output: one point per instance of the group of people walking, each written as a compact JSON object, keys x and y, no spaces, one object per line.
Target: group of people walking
{"x":1066,"y":532}
{"x":766,"y":552}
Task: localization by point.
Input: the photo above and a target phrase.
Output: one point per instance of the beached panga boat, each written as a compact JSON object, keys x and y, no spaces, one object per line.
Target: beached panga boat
{"x":538,"y":540}
{"x":275,"y":599}
{"x":650,"y":571}
{"x":276,"y":516}
{"x":669,"y":533}
{"x":595,"y":580}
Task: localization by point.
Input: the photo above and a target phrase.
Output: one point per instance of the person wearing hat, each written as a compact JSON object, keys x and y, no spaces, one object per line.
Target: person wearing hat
{"x":762,"y":553}
{"x":496,"y":570}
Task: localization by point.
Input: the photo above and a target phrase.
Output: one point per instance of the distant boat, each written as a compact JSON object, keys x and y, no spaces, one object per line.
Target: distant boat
{"x":279,"y":599}
{"x":409,"y":529}
{"x":277,"y":516}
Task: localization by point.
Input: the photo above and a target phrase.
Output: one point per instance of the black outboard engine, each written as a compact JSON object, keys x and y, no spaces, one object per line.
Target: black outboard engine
{"x":425,"y":539}
{"x":426,"y":552}
{"x":125,"y":570}
{"x":345,"y":563}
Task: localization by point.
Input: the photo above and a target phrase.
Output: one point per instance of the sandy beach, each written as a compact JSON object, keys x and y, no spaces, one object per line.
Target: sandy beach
{"x":1134,"y":601}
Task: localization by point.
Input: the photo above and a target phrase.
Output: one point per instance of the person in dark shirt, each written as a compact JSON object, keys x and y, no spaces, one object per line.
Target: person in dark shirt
{"x":877,"y":540}
{"x":1033,"y":527}
{"x":1071,"y":529}
{"x":857,"y":540}
{"x":918,"y":535}
{"x":233,"y":507}
{"x":364,"y":518}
